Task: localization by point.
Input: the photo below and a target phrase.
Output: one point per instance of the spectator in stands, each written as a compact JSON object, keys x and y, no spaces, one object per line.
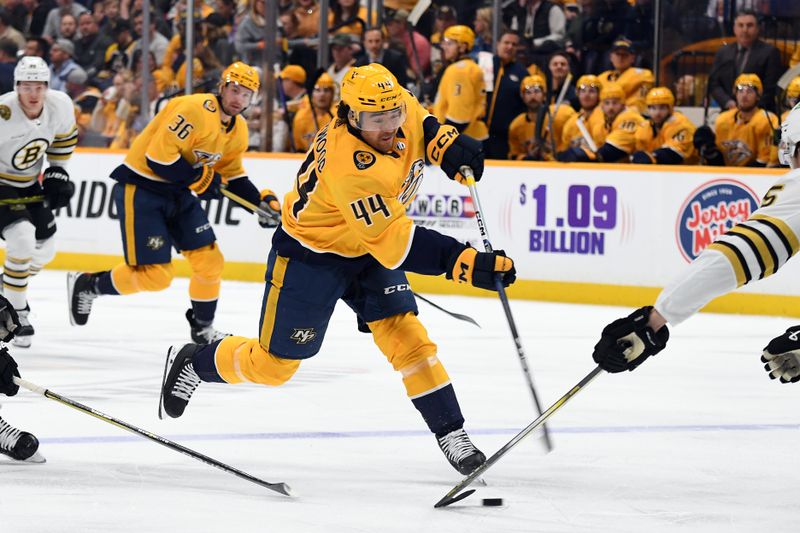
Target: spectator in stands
{"x":291,"y":95}
{"x":559,"y":67}
{"x":615,"y":135}
{"x":8,"y":60}
{"x":106,"y":16}
{"x":158,"y":43}
{"x":640,"y":30}
{"x":375,"y":51}
{"x":19,"y":15}
{"x":748,"y":54}
{"x":589,"y":116}
{"x":536,"y":135}
{"x":601,"y":29}
{"x":69,"y":27}
{"x":90,"y":49}
{"x":504,"y":102}
{"x":542,"y":25}
{"x":445,"y":17}
{"x":52,"y":26}
{"x":418,"y":55}
{"x":483,"y":30}
{"x":575,"y":18}
{"x":744,"y":135}
{"x":226,"y":9}
{"x":347,"y":16}
{"x":342,"y":53}
{"x":7,"y":31}
{"x":249,"y":41}
{"x":217,"y":38}
{"x":634,"y":81}
{"x":104,"y":120}
{"x":307,"y":12}
{"x":36,"y":46}
{"x":39,"y":11}
{"x":61,"y":64}
{"x":310,"y":119}
{"x":792,"y":97}
{"x":666,"y":137}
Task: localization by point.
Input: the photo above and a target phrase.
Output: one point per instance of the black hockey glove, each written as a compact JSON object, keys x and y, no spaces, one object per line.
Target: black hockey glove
{"x":57,"y":188}
{"x":627,"y":342}
{"x":480,"y":268}
{"x":9,"y":321}
{"x":464,"y":150}
{"x":270,"y":204}
{"x":8,"y":369}
{"x":703,"y":136}
{"x":782,"y":356}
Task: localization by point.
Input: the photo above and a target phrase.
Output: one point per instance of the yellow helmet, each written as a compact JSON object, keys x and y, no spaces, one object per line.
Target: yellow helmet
{"x":793,"y":90}
{"x":660,"y":95}
{"x":374,"y":97}
{"x":325,"y":81}
{"x":612,"y":90}
{"x":240,"y":74}
{"x":748,"y":80}
{"x":532,"y":81}
{"x":588,"y":80}
{"x":461,"y":34}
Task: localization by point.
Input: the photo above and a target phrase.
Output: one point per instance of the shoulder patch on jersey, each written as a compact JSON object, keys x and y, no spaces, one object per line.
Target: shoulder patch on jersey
{"x":363,"y":160}
{"x":5,"y":112}
{"x":209,"y":105}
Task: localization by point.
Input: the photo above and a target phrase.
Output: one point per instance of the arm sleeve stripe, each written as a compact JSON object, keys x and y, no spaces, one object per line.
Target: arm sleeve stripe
{"x":760,"y":251}
{"x":59,"y":157}
{"x":736,"y":260}
{"x":783,"y":231}
{"x":62,"y":136}
{"x":773,"y":262}
{"x":72,"y":141}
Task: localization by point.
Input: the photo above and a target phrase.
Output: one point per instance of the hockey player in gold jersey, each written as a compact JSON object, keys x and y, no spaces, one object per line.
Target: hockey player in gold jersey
{"x":345,"y":235}
{"x":744,"y":135}
{"x":635,"y":82}
{"x":194,"y":145}
{"x":590,"y":115}
{"x":666,"y":138}
{"x":461,"y":97}
{"x":308,"y":122}
{"x":523,"y":141}
{"x":792,"y":97}
{"x":616,"y":135}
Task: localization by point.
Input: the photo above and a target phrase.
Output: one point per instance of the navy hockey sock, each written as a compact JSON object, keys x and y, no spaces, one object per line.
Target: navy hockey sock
{"x":204,"y":311}
{"x":203,"y":363}
{"x":103,"y":283}
{"x":440,"y":410}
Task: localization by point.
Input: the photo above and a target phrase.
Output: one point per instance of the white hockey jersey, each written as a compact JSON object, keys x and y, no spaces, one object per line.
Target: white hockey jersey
{"x":24,"y":142}
{"x":752,"y":250}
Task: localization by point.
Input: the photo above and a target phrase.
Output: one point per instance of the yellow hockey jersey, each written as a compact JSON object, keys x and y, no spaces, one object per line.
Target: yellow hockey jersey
{"x":521,"y":136}
{"x":305,"y":126}
{"x":743,"y":143}
{"x":621,"y":132}
{"x":676,"y":133}
{"x":350,"y":200}
{"x":635,"y":82}
{"x":190,"y":128}
{"x":571,"y":136}
{"x":461,"y":98}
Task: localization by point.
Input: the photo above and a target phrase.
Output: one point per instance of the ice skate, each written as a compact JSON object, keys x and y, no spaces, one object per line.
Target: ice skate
{"x":460,"y":451}
{"x":180,"y":381}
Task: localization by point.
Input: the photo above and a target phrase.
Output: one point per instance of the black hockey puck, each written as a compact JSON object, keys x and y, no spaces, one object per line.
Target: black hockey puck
{"x":492,"y":502}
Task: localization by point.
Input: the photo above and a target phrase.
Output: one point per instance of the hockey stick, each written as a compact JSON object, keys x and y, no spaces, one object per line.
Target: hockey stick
{"x":454,"y":496}
{"x":282,"y":488}
{"x":501,"y":292}
{"x":465,"y":318}
{"x":27,"y":200}
{"x":250,"y":205}
{"x":552,"y":117}
{"x":586,"y":136}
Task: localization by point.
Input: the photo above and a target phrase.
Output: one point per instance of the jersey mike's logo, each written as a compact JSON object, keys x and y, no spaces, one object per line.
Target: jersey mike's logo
{"x":710,"y":211}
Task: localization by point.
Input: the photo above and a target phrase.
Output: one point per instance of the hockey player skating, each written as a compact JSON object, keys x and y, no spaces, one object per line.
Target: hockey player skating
{"x":194,"y":145}
{"x":17,"y":444}
{"x":35,"y":123}
{"x":753,"y":249}
{"x":345,"y":235}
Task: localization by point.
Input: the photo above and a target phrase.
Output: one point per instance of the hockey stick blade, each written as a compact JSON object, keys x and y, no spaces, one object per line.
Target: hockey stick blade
{"x":281,"y":488}
{"x":454,"y":496}
{"x":457,"y":316}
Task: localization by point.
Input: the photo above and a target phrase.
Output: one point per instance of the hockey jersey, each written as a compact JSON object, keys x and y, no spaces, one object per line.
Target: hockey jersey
{"x":305,"y":126}
{"x":636,"y":82}
{"x":350,"y":200}
{"x":621,"y":132}
{"x":745,"y":142}
{"x":676,"y":133}
{"x":521,"y":134}
{"x":571,"y":135}
{"x":25,"y":142}
{"x":461,"y":98}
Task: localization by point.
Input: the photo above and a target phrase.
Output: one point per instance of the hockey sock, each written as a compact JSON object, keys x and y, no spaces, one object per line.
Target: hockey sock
{"x":440,"y":410}
{"x":204,"y":364}
{"x":204,"y":311}
{"x":104,"y":284}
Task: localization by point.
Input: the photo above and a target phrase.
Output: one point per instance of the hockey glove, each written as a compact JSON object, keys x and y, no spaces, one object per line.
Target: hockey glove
{"x":452,"y":150}
{"x":642,"y":158}
{"x":627,"y":342}
{"x":480,"y":268}
{"x":703,"y":136}
{"x":270,"y":204}
{"x":782,"y":356}
{"x":9,"y":321}
{"x":57,"y":188}
{"x":8,"y":369}
{"x":208,"y":184}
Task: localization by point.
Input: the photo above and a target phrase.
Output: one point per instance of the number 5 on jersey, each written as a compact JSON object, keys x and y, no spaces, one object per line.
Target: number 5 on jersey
{"x":371,"y":205}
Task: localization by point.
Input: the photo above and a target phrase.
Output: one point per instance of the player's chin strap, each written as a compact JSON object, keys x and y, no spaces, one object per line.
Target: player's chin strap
{"x":222,"y":107}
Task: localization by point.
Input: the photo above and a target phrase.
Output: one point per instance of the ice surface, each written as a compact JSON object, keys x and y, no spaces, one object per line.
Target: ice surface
{"x":697,"y":439}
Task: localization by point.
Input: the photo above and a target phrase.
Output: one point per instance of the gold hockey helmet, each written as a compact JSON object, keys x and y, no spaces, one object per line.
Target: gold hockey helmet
{"x":374,"y":97}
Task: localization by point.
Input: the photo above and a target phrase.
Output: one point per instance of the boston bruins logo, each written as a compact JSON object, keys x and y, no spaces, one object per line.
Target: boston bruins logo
{"x":30,"y":154}
{"x":363,"y":160}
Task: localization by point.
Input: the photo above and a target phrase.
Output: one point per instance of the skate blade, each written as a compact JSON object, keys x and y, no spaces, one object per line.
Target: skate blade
{"x":35,"y":459}
{"x":22,"y":342}
{"x":171,"y":353}
{"x":71,"y":276}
